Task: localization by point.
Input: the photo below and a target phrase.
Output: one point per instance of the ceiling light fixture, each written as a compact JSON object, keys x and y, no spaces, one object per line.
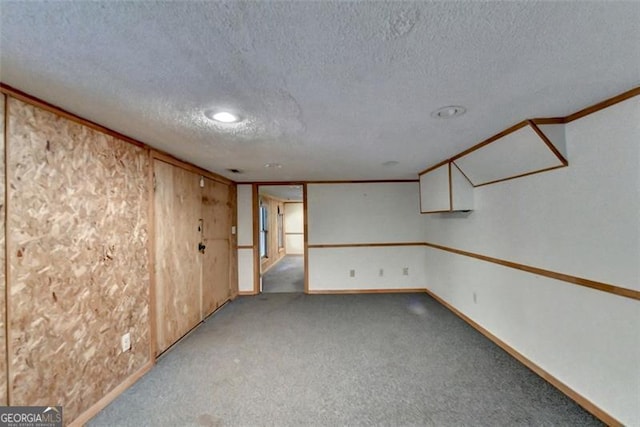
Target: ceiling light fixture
{"x":449,"y":112}
{"x":273,"y":165}
{"x":390,"y":163}
{"x":222,"y":116}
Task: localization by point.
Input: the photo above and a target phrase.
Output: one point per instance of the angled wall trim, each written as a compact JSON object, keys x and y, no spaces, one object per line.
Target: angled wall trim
{"x":364,"y":245}
{"x":527,"y":148}
{"x":541,"y":127}
{"x":604,"y":287}
{"x":367,"y":291}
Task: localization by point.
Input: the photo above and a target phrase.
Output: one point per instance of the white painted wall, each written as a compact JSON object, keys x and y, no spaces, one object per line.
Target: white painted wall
{"x":329,"y":268}
{"x":582,"y":220}
{"x":294,"y":223}
{"x":245,"y":215}
{"x":364,"y":213}
{"x":245,"y":237}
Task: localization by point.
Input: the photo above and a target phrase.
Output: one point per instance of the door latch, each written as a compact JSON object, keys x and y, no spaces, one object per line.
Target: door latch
{"x":201,"y":247}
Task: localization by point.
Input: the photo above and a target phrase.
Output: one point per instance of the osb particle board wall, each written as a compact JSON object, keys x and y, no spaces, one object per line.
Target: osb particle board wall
{"x":3,"y":350}
{"x":178,"y":262}
{"x":78,"y":260}
{"x":217,"y":211}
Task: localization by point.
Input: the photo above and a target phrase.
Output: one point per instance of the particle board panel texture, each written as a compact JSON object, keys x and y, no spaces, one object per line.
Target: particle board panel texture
{"x":3,"y":279}
{"x":215,"y":276}
{"x":178,"y":262}
{"x":78,"y":260}
{"x":216,"y":223}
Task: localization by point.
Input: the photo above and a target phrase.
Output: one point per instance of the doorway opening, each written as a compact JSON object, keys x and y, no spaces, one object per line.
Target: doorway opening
{"x":281,"y":231}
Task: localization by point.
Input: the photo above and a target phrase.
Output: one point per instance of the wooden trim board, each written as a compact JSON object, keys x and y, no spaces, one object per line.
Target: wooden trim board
{"x":111,"y":396}
{"x":366,"y":291}
{"x":604,"y":287}
{"x":246,"y":293}
{"x":489,"y":140}
{"x":568,"y":391}
{"x":450,"y":188}
{"x":432,"y":212}
{"x":32,"y":100}
{"x":602,"y":105}
{"x":305,"y":237}
{"x":364,"y":181}
{"x":563,"y":161}
{"x":534,"y":125}
{"x":244,"y":247}
{"x":519,"y":176}
{"x":436,"y":166}
{"x":463,"y":174}
{"x":7,"y":247}
{"x":547,"y":141}
{"x":168,"y":158}
{"x":255,"y":200}
{"x":29,"y":99}
{"x":365,"y":245}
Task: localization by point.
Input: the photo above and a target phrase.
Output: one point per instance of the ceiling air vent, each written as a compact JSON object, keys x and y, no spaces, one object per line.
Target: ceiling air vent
{"x":233,"y":170}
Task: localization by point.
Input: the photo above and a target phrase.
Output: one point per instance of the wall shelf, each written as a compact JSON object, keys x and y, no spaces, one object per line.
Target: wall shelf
{"x":530,"y":147}
{"x":444,"y":188}
{"x":522,"y":150}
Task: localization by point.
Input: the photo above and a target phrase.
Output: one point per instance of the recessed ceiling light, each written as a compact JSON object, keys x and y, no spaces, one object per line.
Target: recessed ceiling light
{"x":449,"y":112}
{"x":222,"y":116}
{"x":273,"y":165}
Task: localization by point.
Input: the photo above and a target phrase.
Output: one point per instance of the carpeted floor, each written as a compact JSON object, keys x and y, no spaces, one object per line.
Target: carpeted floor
{"x":286,"y":276}
{"x":328,"y":360}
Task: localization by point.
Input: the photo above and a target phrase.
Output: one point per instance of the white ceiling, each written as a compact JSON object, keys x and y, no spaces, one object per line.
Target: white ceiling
{"x":330,"y":89}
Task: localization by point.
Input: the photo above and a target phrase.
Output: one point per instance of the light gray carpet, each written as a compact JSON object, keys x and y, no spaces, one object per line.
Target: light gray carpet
{"x":329,"y":360}
{"x":286,"y":276}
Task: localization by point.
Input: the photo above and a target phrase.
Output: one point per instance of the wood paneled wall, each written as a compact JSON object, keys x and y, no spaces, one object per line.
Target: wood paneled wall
{"x":217,"y":211}
{"x":76,"y":246}
{"x":78,"y":260}
{"x":191,"y":210}
{"x":178,"y":262}
{"x":3,"y":282}
{"x":274,"y":254}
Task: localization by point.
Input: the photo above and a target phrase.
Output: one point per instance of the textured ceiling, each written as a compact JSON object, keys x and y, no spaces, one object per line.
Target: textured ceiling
{"x":330,"y":90}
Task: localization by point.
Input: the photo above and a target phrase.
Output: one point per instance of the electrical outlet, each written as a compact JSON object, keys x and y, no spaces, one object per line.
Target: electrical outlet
{"x":405,"y":271}
{"x":125,"y":342}
{"x":381,"y":272}
{"x":352,"y":273}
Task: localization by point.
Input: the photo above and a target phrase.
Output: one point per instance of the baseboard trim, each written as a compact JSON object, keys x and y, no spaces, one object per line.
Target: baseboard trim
{"x":111,"y":396}
{"x":246,"y":293}
{"x":366,"y":291}
{"x":568,"y":391}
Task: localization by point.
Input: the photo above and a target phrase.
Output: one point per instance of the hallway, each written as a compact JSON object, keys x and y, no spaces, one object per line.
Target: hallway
{"x":286,"y":276}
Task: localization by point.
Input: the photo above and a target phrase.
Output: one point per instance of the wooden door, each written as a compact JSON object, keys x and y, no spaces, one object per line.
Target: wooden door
{"x":178,"y":262}
{"x":216,"y":231}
